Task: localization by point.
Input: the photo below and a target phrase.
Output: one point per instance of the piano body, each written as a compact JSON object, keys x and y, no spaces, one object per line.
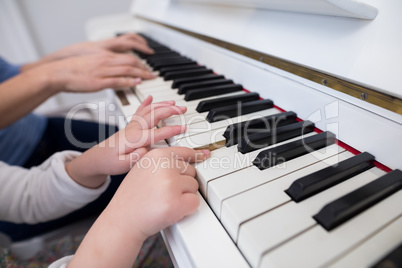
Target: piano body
{"x":334,"y":63}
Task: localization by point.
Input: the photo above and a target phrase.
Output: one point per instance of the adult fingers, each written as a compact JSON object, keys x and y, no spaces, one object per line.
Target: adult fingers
{"x":126,"y":70}
{"x":137,"y":37}
{"x":115,"y":59}
{"x":143,"y":47}
{"x":128,"y":42}
{"x":132,"y":36}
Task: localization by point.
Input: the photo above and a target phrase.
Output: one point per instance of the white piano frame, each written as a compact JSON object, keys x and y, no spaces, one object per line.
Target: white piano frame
{"x":362,"y":125}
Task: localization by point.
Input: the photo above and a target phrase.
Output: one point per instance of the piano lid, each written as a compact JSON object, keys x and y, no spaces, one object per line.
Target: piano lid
{"x":363,"y":52}
{"x":342,"y":8}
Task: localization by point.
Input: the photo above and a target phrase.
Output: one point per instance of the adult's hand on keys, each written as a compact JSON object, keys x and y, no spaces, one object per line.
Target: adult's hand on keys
{"x":121,"y":44}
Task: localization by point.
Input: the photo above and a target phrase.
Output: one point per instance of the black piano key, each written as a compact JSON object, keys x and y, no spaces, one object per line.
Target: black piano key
{"x":323,"y":179}
{"x":280,"y":154}
{"x":392,"y":260}
{"x":202,"y":84}
{"x":187,"y":80}
{"x":162,"y":55}
{"x":187,"y":73}
{"x":156,"y":51}
{"x":274,"y":135}
{"x":242,"y":108}
{"x":169,"y":59}
{"x":196,"y":94}
{"x":165,"y":70}
{"x":158,"y":66}
{"x":161,"y":49}
{"x":350,"y":205}
{"x":208,"y":105}
{"x":235,"y":132}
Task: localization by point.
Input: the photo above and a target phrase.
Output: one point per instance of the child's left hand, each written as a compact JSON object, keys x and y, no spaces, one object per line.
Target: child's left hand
{"x":118,"y":154}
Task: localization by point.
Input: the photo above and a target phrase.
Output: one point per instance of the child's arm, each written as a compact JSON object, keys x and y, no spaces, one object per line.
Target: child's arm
{"x":89,"y":73}
{"x":159,"y":191}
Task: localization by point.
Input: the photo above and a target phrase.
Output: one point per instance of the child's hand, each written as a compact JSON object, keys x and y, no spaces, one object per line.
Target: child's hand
{"x":117,"y":154}
{"x":159,"y":191}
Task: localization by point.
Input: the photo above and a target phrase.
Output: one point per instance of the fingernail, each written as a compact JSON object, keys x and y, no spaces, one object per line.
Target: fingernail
{"x":206,"y":153}
{"x":137,"y":81}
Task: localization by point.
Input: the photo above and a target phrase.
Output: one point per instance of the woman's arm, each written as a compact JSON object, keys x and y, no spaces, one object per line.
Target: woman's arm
{"x":23,"y":93}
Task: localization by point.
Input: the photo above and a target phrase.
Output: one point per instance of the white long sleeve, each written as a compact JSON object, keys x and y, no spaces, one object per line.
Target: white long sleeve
{"x":61,"y":263}
{"x":44,"y":192}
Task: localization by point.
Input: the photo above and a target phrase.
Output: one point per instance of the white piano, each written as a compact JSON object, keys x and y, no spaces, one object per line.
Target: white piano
{"x":336,"y":64}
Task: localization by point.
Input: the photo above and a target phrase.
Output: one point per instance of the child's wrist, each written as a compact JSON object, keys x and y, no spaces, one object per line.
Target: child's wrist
{"x":82,"y":173}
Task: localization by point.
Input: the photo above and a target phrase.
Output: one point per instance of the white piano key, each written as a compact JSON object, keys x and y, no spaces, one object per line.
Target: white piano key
{"x":192,"y":105}
{"x":293,"y":218}
{"x":197,"y":123}
{"x":158,"y":81}
{"x":229,"y":121}
{"x":369,"y":252}
{"x":174,"y":97}
{"x":196,"y":102}
{"x":129,"y":109}
{"x":155,"y":89}
{"x":185,"y":119}
{"x":317,"y":247}
{"x":251,"y":203}
{"x":228,"y":160}
{"x":166,"y":92}
{"x":190,"y":108}
{"x":201,"y":246}
{"x":245,"y":179}
{"x":163,"y":95}
{"x":213,"y":137}
{"x":158,"y":89}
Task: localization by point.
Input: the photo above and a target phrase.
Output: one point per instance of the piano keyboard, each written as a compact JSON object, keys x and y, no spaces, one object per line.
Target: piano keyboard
{"x":286,"y":193}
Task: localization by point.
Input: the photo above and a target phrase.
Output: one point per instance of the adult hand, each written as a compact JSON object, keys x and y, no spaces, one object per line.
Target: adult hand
{"x":122,"y":43}
{"x":126,"y":42}
{"x":94,"y":72}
